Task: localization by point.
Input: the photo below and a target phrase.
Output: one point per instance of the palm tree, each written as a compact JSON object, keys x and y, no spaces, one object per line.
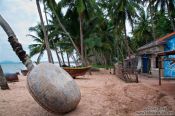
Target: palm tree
{"x":39,"y":47}
{"x":121,"y":11}
{"x":50,"y":58}
{"x":3,"y":81}
{"x":81,"y":5}
{"x":80,"y":9}
{"x":53,"y":7}
{"x":93,"y":22}
{"x":16,"y":45}
{"x":47,"y":32}
{"x":162,"y":24}
{"x":142,"y":31}
{"x":151,"y":12}
{"x":169,"y":5}
{"x":163,"y":6}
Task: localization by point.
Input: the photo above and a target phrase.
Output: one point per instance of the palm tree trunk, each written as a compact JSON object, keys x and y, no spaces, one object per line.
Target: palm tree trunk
{"x":39,"y":57}
{"x":17,"y":47}
{"x":59,"y":60}
{"x":50,"y":58}
{"x":81,"y":38}
{"x":62,"y":56}
{"x":126,"y":42}
{"x":152,"y":22}
{"x":3,"y":81}
{"x":170,"y":17}
{"x":55,"y":48}
{"x":85,"y":56}
{"x":75,"y":61}
{"x":64,"y":29}
{"x":68,"y":61}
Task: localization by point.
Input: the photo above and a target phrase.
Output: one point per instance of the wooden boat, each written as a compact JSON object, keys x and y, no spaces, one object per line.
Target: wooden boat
{"x":77,"y":71}
{"x":24,"y":72}
{"x":11,"y":77}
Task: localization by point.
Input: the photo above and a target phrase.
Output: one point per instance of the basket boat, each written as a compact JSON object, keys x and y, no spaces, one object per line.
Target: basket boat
{"x":77,"y":71}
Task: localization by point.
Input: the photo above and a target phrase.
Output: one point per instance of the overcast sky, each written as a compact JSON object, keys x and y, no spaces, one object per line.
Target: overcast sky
{"x":20,"y":14}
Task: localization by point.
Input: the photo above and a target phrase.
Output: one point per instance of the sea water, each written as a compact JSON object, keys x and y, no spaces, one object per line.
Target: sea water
{"x":12,"y":67}
{"x":17,"y":67}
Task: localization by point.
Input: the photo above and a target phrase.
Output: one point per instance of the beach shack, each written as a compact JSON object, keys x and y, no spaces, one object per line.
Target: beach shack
{"x":148,"y":60}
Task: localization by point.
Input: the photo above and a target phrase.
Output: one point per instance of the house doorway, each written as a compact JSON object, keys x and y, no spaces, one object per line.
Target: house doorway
{"x":146,"y":64}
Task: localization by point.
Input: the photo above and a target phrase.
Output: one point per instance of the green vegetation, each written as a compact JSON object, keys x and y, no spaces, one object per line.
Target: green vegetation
{"x":95,"y":31}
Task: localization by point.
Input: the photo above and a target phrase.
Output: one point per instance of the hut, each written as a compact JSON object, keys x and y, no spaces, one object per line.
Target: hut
{"x":148,"y":60}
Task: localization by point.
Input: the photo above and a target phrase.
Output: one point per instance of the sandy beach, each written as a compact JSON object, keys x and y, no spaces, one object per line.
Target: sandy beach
{"x":102,"y":94}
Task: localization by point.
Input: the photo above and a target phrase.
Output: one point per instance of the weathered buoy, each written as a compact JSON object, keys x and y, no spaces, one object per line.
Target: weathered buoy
{"x":53,"y":88}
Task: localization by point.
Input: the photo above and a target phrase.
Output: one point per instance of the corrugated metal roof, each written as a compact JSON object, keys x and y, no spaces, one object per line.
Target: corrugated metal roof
{"x":157,"y":42}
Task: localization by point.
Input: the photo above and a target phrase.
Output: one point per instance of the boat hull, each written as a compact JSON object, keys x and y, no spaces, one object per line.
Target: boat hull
{"x":77,"y":71}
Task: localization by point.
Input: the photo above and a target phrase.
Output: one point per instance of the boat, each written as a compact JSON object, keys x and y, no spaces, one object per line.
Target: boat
{"x":24,"y":72}
{"x":11,"y":77}
{"x":77,"y":71}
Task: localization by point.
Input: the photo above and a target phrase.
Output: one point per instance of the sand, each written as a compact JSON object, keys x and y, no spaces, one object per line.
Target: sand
{"x":102,"y":94}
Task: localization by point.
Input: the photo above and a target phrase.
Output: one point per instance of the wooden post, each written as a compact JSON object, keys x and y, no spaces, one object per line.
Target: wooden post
{"x":159,"y":60}
{"x":114,"y":72}
{"x":137,"y":79}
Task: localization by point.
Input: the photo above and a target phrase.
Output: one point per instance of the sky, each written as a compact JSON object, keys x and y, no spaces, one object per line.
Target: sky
{"x":20,"y":14}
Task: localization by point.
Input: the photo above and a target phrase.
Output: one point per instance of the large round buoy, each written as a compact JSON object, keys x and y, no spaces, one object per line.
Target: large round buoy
{"x":53,"y":88}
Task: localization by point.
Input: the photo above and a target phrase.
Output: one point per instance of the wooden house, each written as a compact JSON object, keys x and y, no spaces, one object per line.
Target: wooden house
{"x":148,"y":60}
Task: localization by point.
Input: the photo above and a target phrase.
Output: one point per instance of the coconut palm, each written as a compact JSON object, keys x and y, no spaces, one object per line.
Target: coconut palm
{"x":162,"y":24}
{"x":164,"y":6}
{"x":17,"y":48}
{"x":168,"y":5}
{"x":3,"y":81}
{"x":39,"y":47}
{"x":50,"y":58}
{"x":80,"y":10}
{"x":83,"y":11}
{"x":121,"y":11}
{"x":47,"y":32}
{"x":16,"y":45}
{"x":151,"y":11}
{"x":54,"y":7}
{"x":142,"y":31}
